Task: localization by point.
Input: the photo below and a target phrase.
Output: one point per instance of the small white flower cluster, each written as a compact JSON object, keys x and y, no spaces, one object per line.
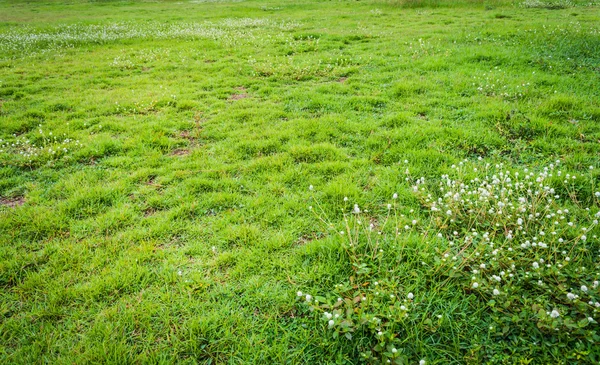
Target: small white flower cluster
{"x":331,"y":318}
{"x":307,"y":297}
{"x":21,"y":150}
{"x":496,"y":82}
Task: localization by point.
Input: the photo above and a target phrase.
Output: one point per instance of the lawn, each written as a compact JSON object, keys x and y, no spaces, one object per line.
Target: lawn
{"x":299,"y":182}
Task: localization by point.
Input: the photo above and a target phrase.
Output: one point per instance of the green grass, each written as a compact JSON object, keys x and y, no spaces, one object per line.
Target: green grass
{"x":156,"y":159}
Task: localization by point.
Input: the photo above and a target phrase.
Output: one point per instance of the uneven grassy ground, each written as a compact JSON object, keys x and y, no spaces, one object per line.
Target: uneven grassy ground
{"x":156,"y":159}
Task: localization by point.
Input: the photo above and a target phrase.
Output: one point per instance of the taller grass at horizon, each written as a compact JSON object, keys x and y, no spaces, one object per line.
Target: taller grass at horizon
{"x":156,"y":160}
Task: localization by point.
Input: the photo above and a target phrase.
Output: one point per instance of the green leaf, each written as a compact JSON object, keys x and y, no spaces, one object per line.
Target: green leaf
{"x":583,"y":323}
{"x":569,"y":323}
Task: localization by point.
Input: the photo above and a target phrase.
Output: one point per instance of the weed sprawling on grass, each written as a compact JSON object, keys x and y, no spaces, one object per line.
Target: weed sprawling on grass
{"x":231,"y":31}
{"x":521,"y":246}
{"x":43,"y":147}
{"x":555,"y":4}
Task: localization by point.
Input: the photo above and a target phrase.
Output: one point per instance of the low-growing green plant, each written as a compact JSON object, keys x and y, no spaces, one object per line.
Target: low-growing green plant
{"x":554,"y":4}
{"x":557,"y":4}
{"x":41,"y":148}
{"x":522,"y":245}
{"x":446,"y":3}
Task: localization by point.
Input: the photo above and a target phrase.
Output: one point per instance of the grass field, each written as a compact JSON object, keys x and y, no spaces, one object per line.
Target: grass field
{"x":175,"y":177}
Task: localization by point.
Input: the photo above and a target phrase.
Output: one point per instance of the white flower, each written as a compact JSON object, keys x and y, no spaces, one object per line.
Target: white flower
{"x":475,"y":285}
{"x":583,"y":238}
{"x":395,"y":196}
{"x":410,"y":296}
{"x":356,"y":209}
{"x":571,"y":296}
{"x":536,"y":265}
{"x":299,"y":293}
{"x":422,"y":362}
{"x":554,"y":314}
{"x":448,"y":212}
{"x":345,"y":198}
{"x":394,"y":350}
{"x":584,"y":288}
{"x":496,"y":292}
{"x":308,"y":297}
{"x":310,"y":187}
{"x":331,"y":322}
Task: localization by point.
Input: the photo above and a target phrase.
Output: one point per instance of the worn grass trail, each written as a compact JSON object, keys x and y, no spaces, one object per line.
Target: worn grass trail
{"x":156,"y":159}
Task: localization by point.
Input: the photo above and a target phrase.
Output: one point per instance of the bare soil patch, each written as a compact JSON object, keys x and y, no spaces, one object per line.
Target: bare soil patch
{"x":12,"y":202}
{"x":180,"y":152}
{"x":241,"y":94}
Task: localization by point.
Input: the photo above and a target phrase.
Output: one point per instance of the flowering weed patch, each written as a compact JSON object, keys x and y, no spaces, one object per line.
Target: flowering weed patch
{"x":23,"y":152}
{"x":69,"y":36}
{"x":504,"y":239}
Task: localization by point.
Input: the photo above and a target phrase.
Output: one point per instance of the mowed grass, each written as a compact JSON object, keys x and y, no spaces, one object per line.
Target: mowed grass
{"x":156,"y":159}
